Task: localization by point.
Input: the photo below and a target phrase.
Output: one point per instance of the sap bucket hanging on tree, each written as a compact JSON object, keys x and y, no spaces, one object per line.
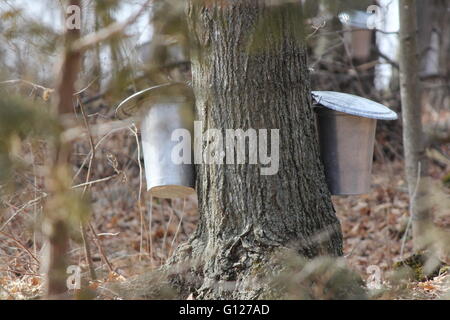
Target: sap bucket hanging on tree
{"x":346,"y":125}
{"x":161,"y":110}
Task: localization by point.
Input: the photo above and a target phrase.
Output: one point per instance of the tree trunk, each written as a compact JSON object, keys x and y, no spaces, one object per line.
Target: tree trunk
{"x":434,"y":64}
{"x":249,"y":71}
{"x":433,"y":37}
{"x":415,"y":164}
{"x":55,"y":225}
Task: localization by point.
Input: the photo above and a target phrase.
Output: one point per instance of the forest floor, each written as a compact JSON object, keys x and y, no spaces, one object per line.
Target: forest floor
{"x":373,"y":225}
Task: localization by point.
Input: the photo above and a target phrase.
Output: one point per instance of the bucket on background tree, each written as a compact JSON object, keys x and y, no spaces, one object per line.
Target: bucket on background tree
{"x":359,"y":35}
{"x":346,"y":126}
{"x":160,"y":110}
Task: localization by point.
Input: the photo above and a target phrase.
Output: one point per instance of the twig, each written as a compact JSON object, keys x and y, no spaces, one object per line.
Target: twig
{"x":385,"y":57}
{"x":91,"y":143}
{"x":21,"y":245}
{"x":24,"y":273}
{"x":94,"y":98}
{"x":353,"y":250}
{"x":108,"y":234}
{"x":316,"y":29}
{"x":87,"y":249}
{"x":106,"y":33}
{"x":168,"y":225}
{"x":410,"y":210}
{"x":150,"y":221}
{"x":87,"y":252}
{"x":330,"y":49}
{"x":96,"y":147}
{"x":178,"y":228}
{"x":34,"y":85}
{"x":35,"y":196}
{"x":31,"y":202}
{"x":94,"y":182}
{"x":100,"y":248}
{"x":133,"y":129}
{"x":437,"y":156}
{"x":84,"y":89}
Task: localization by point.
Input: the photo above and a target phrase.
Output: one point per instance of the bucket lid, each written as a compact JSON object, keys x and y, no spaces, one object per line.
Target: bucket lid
{"x":355,"y":18}
{"x":168,"y":92}
{"x":351,"y":104}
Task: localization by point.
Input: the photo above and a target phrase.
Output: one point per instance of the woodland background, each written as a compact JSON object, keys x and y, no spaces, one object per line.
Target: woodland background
{"x":129,"y":233}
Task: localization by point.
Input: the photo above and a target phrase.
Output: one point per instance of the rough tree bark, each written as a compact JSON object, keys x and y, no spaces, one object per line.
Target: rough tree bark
{"x":415,"y":161}
{"x":249,"y":71}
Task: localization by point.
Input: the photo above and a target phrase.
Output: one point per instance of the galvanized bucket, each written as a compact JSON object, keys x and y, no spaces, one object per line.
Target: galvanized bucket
{"x":163,"y":109}
{"x":346,"y":126}
{"x":359,"y":37}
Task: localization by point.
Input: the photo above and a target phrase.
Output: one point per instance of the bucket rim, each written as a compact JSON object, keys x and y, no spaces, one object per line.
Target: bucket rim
{"x":136,"y":102}
{"x":161,"y":191}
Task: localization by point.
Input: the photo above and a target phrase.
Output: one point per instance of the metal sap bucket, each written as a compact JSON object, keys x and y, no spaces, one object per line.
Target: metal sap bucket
{"x":359,"y":37}
{"x":163,"y":109}
{"x":346,"y":126}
